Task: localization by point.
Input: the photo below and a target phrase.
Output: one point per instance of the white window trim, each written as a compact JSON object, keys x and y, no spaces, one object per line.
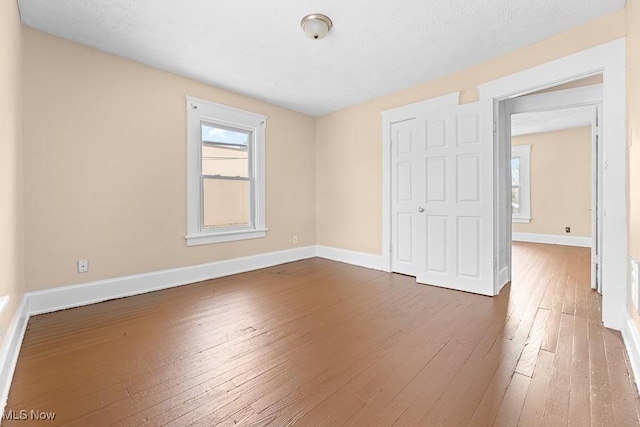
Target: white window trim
{"x":197,"y":110}
{"x":524,"y":153}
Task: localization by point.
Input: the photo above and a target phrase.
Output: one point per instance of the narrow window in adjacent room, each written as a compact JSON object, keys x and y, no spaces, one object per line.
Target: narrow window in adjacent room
{"x":520,"y":184}
{"x":225,"y":173}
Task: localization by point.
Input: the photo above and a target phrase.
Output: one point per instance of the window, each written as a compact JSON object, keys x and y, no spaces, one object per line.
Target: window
{"x":225,"y":173}
{"x":520,"y":184}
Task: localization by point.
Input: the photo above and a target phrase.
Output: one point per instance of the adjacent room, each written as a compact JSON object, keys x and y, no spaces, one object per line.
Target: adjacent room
{"x":319,"y":213}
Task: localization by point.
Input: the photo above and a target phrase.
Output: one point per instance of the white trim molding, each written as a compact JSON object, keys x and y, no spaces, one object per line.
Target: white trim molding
{"x":552,"y":239}
{"x":202,"y":112}
{"x":49,"y":300}
{"x":64,"y":297}
{"x":60,"y":298}
{"x":609,"y":60}
{"x":361,"y":259}
{"x":10,"y":350}
{"x":631,"y":339}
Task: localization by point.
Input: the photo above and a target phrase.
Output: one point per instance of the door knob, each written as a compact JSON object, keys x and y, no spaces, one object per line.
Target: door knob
{"x":420,"y":209}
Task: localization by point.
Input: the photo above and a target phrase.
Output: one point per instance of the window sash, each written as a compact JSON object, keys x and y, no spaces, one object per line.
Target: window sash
{"x":199,"y":113}
{"x":522,"y":154}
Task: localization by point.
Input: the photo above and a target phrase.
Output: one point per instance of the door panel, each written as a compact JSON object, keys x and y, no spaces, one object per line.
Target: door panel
{"x":469,"y":238}
{"x":437,"y":257}
{"x":436,"y":179}
{"x":454,"y":242}
{"x":405,"y":238}
{"x":404,"y":193}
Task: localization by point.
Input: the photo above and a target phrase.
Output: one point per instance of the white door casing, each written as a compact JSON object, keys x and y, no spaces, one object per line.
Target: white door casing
{"x":596,"y":194}
{"x":455,"y":244}
{"x":608,"y":59}
{"x":586,"y":96}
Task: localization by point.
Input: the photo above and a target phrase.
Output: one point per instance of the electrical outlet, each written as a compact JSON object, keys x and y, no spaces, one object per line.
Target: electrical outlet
{"x":567,"y":229}
{"x":295,"y":240}
{"x":83,"y":265}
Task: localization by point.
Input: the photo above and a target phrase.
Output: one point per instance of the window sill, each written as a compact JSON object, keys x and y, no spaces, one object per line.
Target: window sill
{"x":226,"y":236}
{"x":521,"y":220}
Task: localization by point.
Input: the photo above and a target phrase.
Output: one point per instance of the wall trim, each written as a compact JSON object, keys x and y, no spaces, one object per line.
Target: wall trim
{"x":11,"y":349}
{"x":361,"y":259}
{"x":631,"y":339}
{"x":552,"y":239}
{"x":63,"y":297}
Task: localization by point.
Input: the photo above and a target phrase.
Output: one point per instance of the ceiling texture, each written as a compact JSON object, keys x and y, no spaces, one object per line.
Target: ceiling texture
{"x":257,"y":48}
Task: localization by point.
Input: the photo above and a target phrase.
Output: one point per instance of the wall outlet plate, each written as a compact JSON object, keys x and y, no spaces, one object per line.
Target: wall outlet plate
{"x":83,"y":265}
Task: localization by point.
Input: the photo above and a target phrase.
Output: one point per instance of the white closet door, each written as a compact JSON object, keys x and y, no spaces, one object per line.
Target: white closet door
{"x":453,"y":230}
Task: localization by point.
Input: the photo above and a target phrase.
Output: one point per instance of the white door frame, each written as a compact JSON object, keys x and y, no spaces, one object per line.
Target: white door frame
{"x":608,"y":59}
{"x":585,"y":96}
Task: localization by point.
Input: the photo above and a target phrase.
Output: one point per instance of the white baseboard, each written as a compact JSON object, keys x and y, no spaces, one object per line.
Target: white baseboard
{"x":552,"y":239}
{"x":11,"y":349}
{"x":360,"y":259}
{"x":631,"y":339}
{"x":60,"y":298}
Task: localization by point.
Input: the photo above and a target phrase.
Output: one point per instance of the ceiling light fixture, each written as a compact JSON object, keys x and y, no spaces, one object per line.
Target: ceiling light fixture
{"x":316,"y":25}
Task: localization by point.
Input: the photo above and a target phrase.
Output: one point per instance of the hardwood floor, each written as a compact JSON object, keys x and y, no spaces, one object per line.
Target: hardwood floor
{"x":318,"y":342}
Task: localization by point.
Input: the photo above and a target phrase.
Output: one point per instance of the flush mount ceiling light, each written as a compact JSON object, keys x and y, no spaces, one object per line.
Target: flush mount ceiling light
{"x":316,"y":25}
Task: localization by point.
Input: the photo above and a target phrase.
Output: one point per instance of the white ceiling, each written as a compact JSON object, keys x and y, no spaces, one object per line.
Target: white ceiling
{"x":551,"y":120}
{"x":257,"y":48}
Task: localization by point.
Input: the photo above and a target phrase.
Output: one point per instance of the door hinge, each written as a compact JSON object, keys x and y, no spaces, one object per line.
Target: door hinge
{"x":495,"y":127}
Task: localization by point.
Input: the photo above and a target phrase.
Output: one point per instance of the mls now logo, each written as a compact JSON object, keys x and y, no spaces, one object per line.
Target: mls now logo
{"x":32,"y":415}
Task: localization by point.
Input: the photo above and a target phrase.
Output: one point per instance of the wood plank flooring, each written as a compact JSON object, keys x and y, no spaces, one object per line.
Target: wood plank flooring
{"x":318,"y":342}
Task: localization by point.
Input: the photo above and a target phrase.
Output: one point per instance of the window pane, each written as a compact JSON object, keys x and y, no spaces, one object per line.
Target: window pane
{"x":220,"y":135}
{"x":515,"y":171}
{"x":226,"y":202}
{"x":515,"y":200}
{"x":225,"y":160}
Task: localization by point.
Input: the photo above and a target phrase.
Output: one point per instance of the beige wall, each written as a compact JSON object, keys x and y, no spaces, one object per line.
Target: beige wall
{"x":91,"y":118}
{"x":11,"y":268}
{"x":560,"y":182}
{"x":349,"y":142}
{"x":105,"y":169}
{"x":633,"y":111}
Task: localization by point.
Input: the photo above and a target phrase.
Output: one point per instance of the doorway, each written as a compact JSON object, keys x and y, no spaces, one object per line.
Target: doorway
{"x":552,"y":139}
{"x":607,"y":59}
